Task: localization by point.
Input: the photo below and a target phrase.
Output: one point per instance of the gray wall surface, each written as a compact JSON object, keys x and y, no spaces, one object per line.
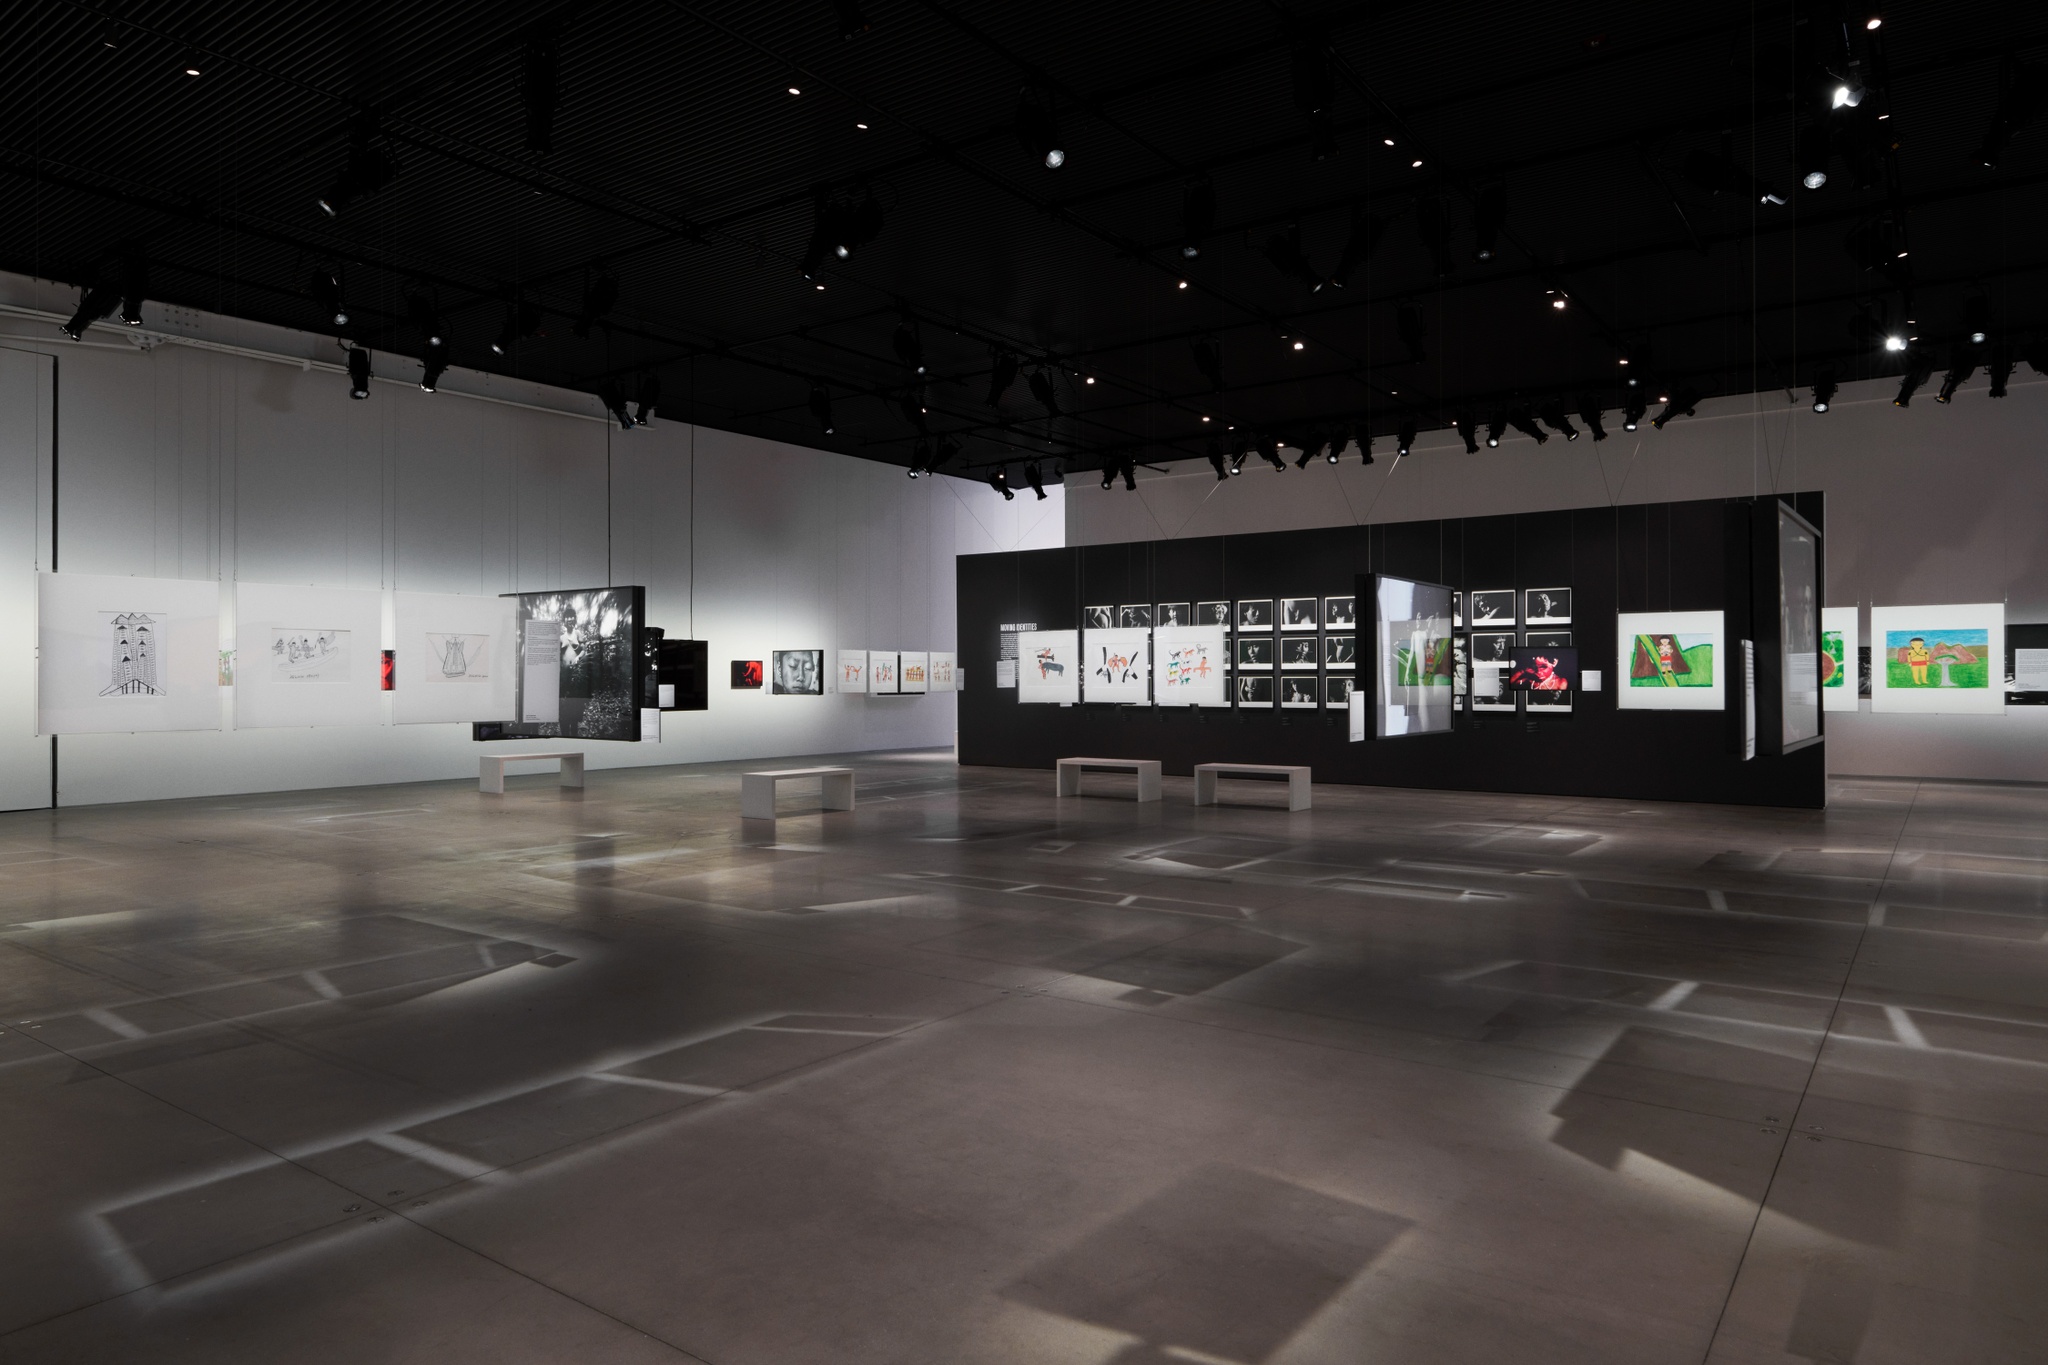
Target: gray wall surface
{"x":1927,"y":504}
{"x":184,"y":462}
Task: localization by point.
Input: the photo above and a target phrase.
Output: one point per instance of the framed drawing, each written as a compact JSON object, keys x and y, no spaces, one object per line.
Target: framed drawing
{"x":1839,"y":630}
{"x":457,"y":657}
{"x":1938,"y":659}
{"x":1119,"y":666}
{"x":943,"y":672}
{"x":883,"y":678}
{"x":1670,"y":660}
{"x":126,"y":654}
{"x":309,"y":657}
{"x":1048,"y":667}
{"x":850,"y":673}
{"x":1189,"y":666}
{"x":913,"y":672}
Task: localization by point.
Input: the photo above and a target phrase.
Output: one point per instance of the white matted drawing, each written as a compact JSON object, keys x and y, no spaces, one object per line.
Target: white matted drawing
{"x":1948,"y":658}
{"x":1840,"y":669}
{"x":852,"y":672}
{"x":913,"y":671}
{"x":1190,"y":663}
{"x":942,"y":671}
{"x":124,"y":654}
{"x":310,"y":656}
{"x":1049,"y":666}
{"x":456,"y":657}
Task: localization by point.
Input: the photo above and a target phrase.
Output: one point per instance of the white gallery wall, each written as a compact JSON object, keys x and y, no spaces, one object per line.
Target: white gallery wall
{"x":191,"y":461}
{"x":1932,"y":503}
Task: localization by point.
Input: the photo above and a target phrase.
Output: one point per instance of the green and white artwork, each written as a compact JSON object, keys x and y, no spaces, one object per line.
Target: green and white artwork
{"x":1939,"y":658}
{"x":1839,"y":639}
{"x":1671,"y":661}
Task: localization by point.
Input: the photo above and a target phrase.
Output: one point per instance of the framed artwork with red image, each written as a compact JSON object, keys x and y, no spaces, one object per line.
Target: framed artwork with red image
{"x":746,"y":674}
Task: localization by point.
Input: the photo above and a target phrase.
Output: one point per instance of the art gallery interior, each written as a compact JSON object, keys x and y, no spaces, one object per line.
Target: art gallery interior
{"x":933,"y":681}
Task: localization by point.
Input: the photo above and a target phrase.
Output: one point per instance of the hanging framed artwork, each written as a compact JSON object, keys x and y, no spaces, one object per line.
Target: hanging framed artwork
{"x":1492,"y":657}
{"x":1298,"y":613}
{"x":884,"y":679}
{"x":798,"y":673}
{"x":1410,"y":679}
{"x":1670,"y":661}
{"x":1173,"y":614}
{"x":457,"y":656}
{"x":1340,"y":613}
{"x":1547,"y":639}
{"x":1253,"y":689}
{"x":1938,"y":659}
{"x":1048,"y":667}
{"x":1839,"y":644}
{"x":118,"y":654}
{"x":1340,"y":652}
{"x":1491,"y":610}
{"x":1188,"y":666}
{"x":1256,"y":614}
{"x":849,"y":672}
{"x":1547,"y":607}
{"x":1136,"y":617}
{"x":1299,"y":652}
{"x":1299,"y":692}
{"x":942,"y":671}
{"x":1253,"y":652}
{"x":309,"y":657}
{"x":913,"y":672}
{"x":1098,"y":618}
{"x":1119,"y":667}
{"x":748,"y":674}
{"x":1336,"y":693}
{"x":1212,"y":614}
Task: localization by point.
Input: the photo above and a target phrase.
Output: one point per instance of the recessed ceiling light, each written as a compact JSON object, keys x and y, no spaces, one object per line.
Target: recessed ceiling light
{"x":862,"y":126}
{"x":1182,"y":285}
{"x":1091,"y":379}
{"x":794,"y":91}
{"x":1205,"y":419}
{"x":1624,"y":360}
{"x":1390,"y":142}
{"x":821,"y":287}
{"x":1416,"y":164}
{"x":1297,"y":346}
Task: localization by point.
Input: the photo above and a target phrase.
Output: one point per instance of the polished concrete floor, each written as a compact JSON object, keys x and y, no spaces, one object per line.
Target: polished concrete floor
{"x":974,"y":1075}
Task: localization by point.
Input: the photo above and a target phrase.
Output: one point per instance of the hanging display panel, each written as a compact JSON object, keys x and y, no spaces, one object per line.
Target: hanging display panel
{"x":1938,"y":659}
{"x":1049,"y":666}
{"x":1839,"y":641}
{"x":581,"y":657}
{"x":801,"y":673}
{"x":851,"y":673}
{"x":1411,"y":664}
{"x":1799,"y":697}
{"x":456,"y":659}
{"x":913,"y":672}
{"x":942,"y":671}
{"x":1119,"y":666}
{"x":883,"y":677}
{"x":1189,"y":666}
{"x":308,"y":656}
{"x":123,"y":654}
{"x":1670,"y":660}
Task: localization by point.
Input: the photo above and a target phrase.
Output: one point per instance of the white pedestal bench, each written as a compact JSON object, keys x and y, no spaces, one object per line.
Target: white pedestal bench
{"x":490,"y":775}
{"x":1147,"y":769}
{"x":757,"y":790}
{"x":1207,"y":773}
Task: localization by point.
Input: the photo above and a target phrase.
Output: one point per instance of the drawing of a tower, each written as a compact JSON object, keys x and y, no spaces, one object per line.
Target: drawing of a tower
{"x":134,"y":647}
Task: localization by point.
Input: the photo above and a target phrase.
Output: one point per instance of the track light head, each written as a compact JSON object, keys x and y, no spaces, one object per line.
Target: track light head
{"x":1468,"y":432}
{"x":1682,"y":404}
{"x":1555,"y":417}
{"x":1041,"y":389}
{"x":435,"y":364}
{"x":1197,"y":216}
{"x":367,"y":168}
{"x":424,"y":317}
{"x":358,"y":372}
{"x":1999,"y":368}
{"x":1632,"y":415}
{"x":1962,"y":365}
{"x":1589,"y":413}
{"x":1269,"y":450}
{"x":1108,"y":473}
{"x":1496,"y":427}
{"x":1338,"y":440}
{"x":1406,"y":440}
{"x":134,"y":282}
{"x":1489,"y":215}
{"x":1036,"y":479}
{"x":614,"y":398}
{"x":93,"y":304}
{"x":821,"y":405}
{"x":1130,"y":471}
{"x":1524,"y":421}
{"x":646,"y":399}
{"x":522,"y":320}
{"x":1216,"y":462}
{"x":1364,"y":439}
{"x":1825,"y":386}
{"x":325,"y":288}
{"x":1038,"y":127}
{"x":921,"y":458}
{"x":1000,"y":481}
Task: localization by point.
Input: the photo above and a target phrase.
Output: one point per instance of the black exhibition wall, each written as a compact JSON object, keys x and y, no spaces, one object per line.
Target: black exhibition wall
{"x":1685,"y":556}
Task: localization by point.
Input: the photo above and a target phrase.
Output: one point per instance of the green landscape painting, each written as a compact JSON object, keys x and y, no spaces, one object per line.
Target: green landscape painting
{"x":1937,"y":658}
{"x":1672,"y":661}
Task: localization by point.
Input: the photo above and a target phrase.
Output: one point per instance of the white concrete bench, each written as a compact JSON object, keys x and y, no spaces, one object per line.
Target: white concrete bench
{"x":490,"y":775}
{"x":1207,"y":773}
{"x":1069,"y":772}
{"x":757,"y":790}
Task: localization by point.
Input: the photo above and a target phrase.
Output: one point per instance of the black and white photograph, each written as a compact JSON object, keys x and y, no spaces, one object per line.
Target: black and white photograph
{"x":1547,"y":639}
{"x":1256,"y":615}
{"x":1299,"y":693}
{"x":1174,"y":614}
{"x":1253,"y":651}
{"x":1493,"y":647}
{"x":1340,"y":652}
{"x":1253,"y":689}
{"x":1493,"y":608}
{"x":1457,"y":611}
{"x":1212,"y":614}
{"x":1461,"y":666}
{"x":1340,"y":613}
{"x":1098,"y":618}
{"x":1547,"y":607}
{"x":1297,"y":613}
{"x":798,"y":673}
{"x":1138,"y":617}
{"x":1337,"y":692}
{"x":1551,"y":703}
{"x":1298,"y":651}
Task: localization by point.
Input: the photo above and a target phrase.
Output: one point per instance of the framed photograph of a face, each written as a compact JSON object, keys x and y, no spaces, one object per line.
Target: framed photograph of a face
{"x":1098,"y":618}
{"x":1212,"y":614}
{"x":1253,"y":689}
{"x":1547,"y":639}
{"x":1134,"y":618}
{"x":1174,"y":614}
{"x":1493,"y":656}
{"x":1299,"y":652}
{"x":799,"y":673}
{"x":1253,"y":651}
{"x":1340,"y":613}
{"x":1298,"y":613}
{"x":1461,"y":667}
{"x":1547,"y":607}
{"x":1299,"y":693}
{"x":1255,"y":615}
{"x":1491,"y":610}
{"x":1340,"y":652}
{"x":1337,"y":693}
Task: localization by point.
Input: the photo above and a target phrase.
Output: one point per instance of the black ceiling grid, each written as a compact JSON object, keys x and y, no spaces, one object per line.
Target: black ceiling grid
{"x":681,"y":164}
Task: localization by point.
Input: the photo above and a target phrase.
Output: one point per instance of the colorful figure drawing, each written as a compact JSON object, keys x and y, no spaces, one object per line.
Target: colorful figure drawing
{"x":1116,"y":666}
{"x":1958,"y":654}
{"x":1187,"y":665}
{"x":1671,"y":661}
{"x":1049,"y":665}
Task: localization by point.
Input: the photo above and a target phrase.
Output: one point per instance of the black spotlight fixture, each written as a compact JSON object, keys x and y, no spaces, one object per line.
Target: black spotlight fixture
{"x":1408,"y":322}
{"x":1108,"y":472}
{"x":646,"y":399}
{"x":1524,"y":421}
{"x":367,"y":168}
{"x":1998,"y":369}
{"x":1962,"y":364}
{"x":614,"y":398}
{"x":134,"y":282}
{"x":1406,"y":440}
{"x":852,"y":23}
{"x":1002,"y":372}
{"x":1240,"y":447}
{"x":1366,"y":231}
{"x":1209,"y":360}
{"x":1338,"y":440}
{"x":522,"y":320}
{"x":1041,"y":388}
{"x":1364,"y":439}
{"x":600,"y":292}
{"x":1216,"y":461}
{"x":1038,"y":126}
{"x":1555,"y":417}
{"x":1489,"y":216}
{"x":95,"y":303}
{"x":434,"y":364}
{"x":1589,"y":413}
{"x":1977,"y":319}
{"x":821,"y":405}
{"x":1000,"y":481}
{"x":1269,"y":451}
{"x":920,"y":458}
{"x":1197,"y":215}
{"x":1311,"y":446}
{"x":325,"y":287}
{"x":540,"y":86}
{"x":1825,"y":386}
{"x":912,"y":406}
{"x":358,"y":372}
{"x":1496,"y":427}
{"x":840,"y":226}
{"x":1433,"y":226}
{"x":1919,"y":369}
{"x":1468,"y":432}
{"x":1036,"y":479}
{"x":909,"y":344}
{"x":1815,"y":149}
{"x":1682,"y":404}
{"x":1130,"y":467}
{"x":1632,"y":415}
